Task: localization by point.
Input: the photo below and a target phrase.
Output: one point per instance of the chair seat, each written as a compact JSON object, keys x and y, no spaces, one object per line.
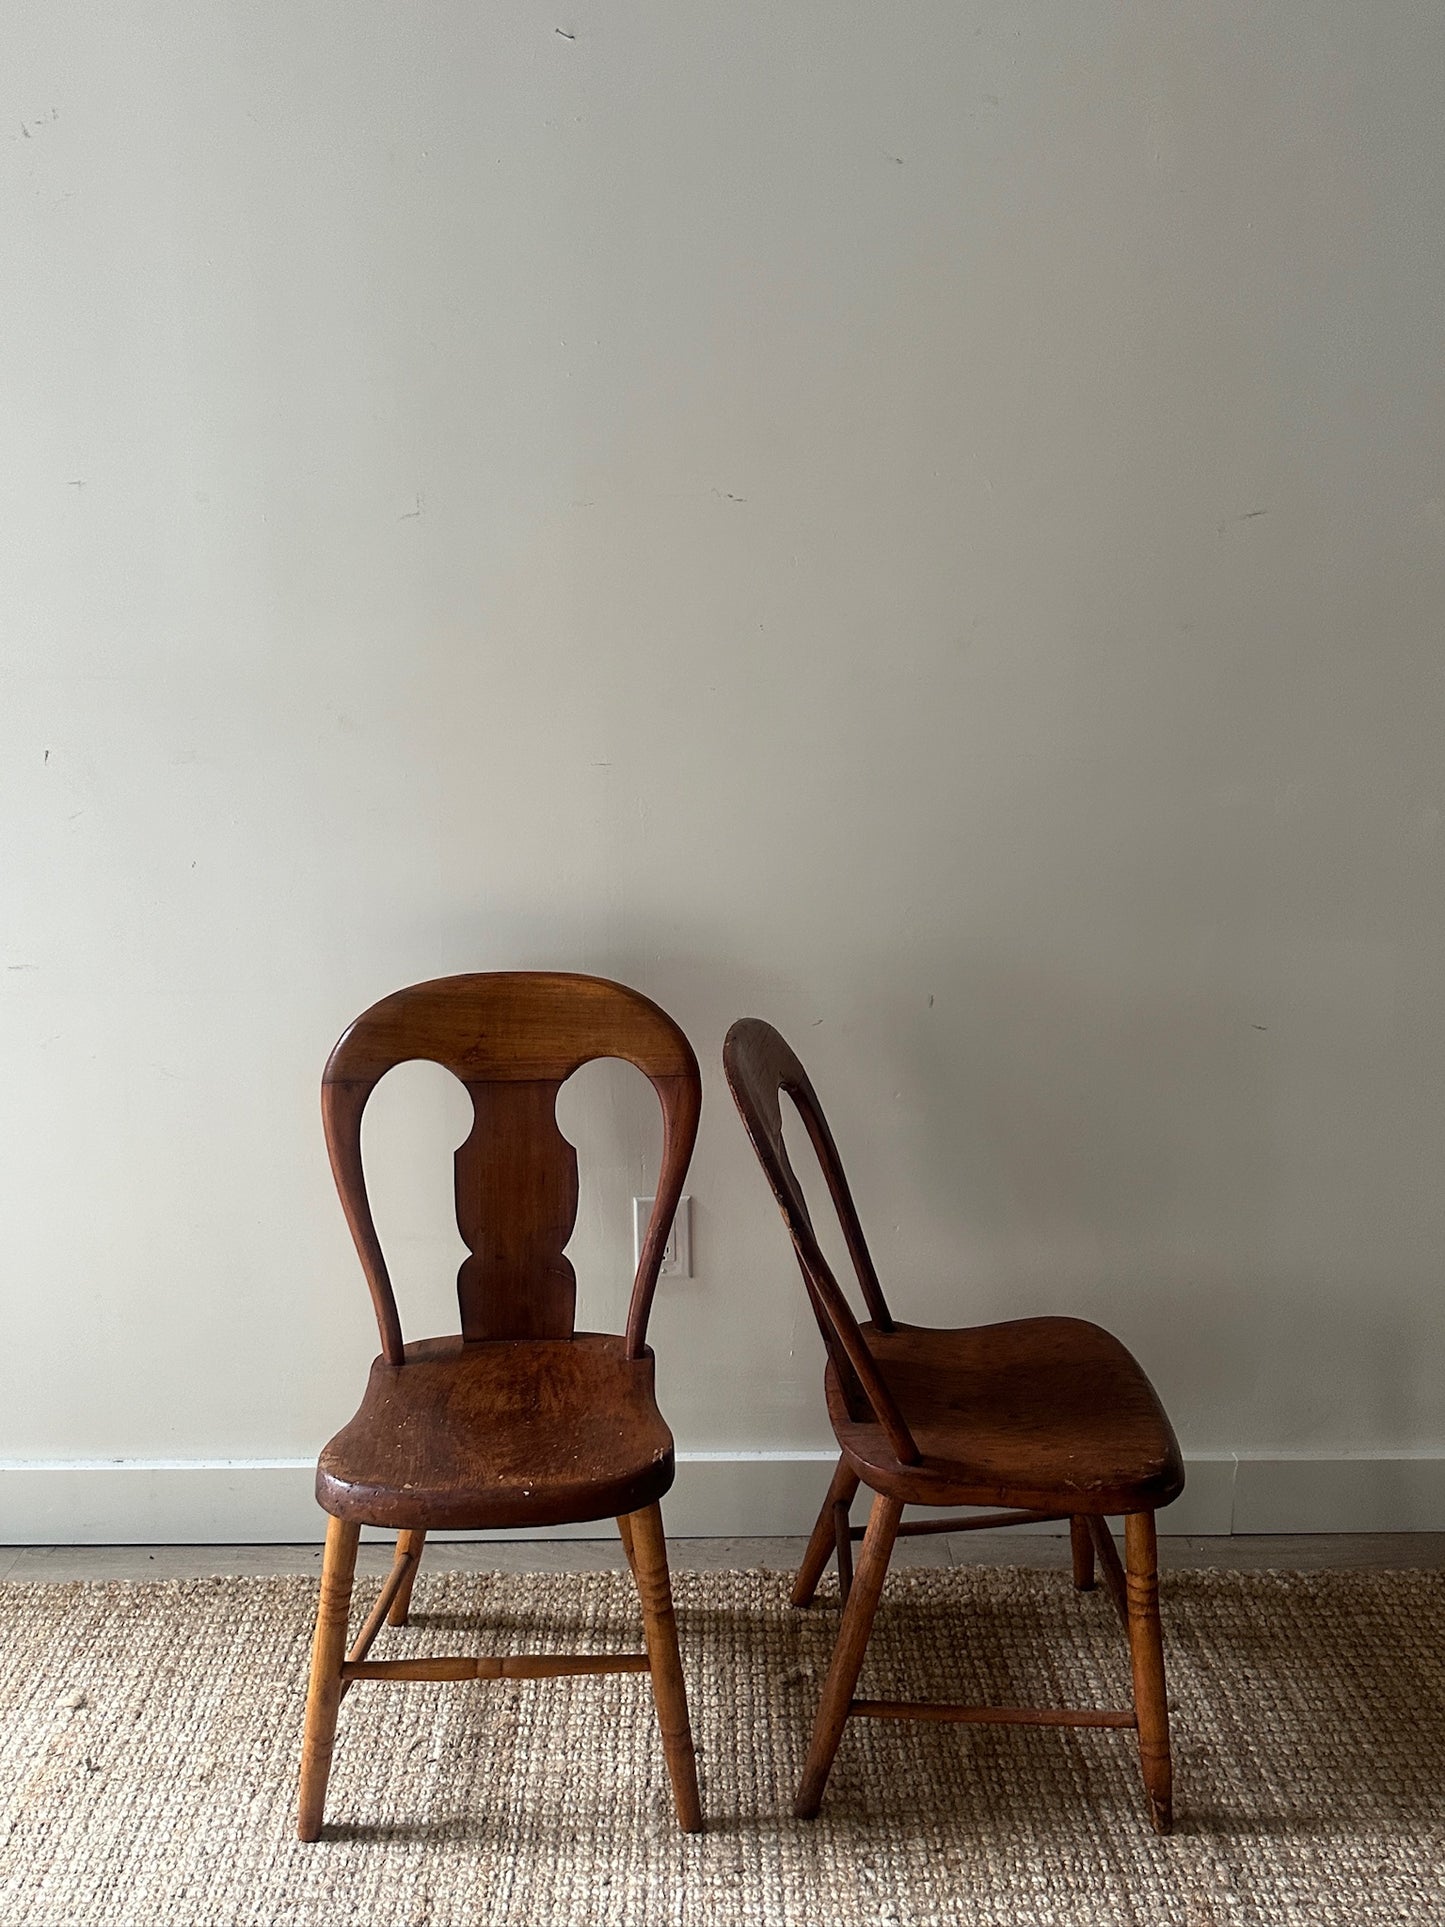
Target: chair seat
{"x":1052,"y":1414}
{"x":500,"y":1432}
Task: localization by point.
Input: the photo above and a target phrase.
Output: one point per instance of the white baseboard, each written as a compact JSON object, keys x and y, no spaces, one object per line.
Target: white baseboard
{"x":1362,"y":1492}
{"x":717,"y":1495}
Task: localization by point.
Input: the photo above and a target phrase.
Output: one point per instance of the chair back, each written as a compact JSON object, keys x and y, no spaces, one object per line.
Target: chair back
{"x":512,"y":1038}
{"x":760,"y":1067}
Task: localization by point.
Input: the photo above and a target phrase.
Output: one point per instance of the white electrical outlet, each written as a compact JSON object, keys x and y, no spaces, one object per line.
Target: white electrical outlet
{"x":677,"y":1252}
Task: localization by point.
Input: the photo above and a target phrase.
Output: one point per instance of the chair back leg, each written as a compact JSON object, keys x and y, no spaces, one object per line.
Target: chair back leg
{"x":1082,"y":1546}
{"x":847,"y":1661}
{"x":338,"y":1568}
{"x":642,"y":1537}
{"x":1146,"y":1650}
{"x":823,"y":1542}
{"x":408,"y":1547}
{"x":624,"y":1532}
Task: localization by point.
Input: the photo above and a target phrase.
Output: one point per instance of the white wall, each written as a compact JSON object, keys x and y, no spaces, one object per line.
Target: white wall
{"x":926,"y":524}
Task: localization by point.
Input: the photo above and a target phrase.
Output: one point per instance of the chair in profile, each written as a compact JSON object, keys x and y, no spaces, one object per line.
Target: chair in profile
{"x":1048,"y":1418}
{"x":519,"y":1420}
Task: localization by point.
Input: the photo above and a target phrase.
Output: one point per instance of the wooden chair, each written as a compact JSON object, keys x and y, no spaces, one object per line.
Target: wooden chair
{"x":1050,"y":1418}
{"x":519,"y":1420}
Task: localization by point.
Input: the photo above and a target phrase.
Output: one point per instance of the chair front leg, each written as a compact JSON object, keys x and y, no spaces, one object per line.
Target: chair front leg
{"x":823,"y":1542}
{"x":338,"y":1568}
{"x":848,"y":1653}
{"x":647,"y":1554}
{"x":1146,"y":1650}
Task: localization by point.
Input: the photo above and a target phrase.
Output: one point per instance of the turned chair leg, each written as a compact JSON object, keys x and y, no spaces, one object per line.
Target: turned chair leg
{"x":646,"y":1548}
{"x":843,"y":1537}
{"x":1082,"y":1544}
{"x":1146,"y":1649}
{"x":848,"y":1653}
{"x":624,"y":1531}
{"x":823,"y":1543}
{"x":323,"y":1697}
{"x":408,"y":1546}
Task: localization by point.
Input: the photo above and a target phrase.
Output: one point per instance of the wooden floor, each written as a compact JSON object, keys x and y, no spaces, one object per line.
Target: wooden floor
{"x":1253,"y":1552}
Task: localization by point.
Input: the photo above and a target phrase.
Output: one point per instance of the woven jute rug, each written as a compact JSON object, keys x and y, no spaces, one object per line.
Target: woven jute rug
{"x":149,"y":1738}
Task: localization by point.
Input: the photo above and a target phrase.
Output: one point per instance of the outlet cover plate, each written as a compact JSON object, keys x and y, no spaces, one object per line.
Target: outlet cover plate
{"x":677,"y":1252}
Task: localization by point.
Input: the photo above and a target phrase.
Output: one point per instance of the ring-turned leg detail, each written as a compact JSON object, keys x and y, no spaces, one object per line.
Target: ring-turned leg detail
{"x":1146,"y":1649}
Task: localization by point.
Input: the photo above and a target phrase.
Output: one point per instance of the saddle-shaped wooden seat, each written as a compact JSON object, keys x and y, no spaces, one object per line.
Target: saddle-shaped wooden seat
{"x":512,"y":1432}
{"x":1037,"y":1412}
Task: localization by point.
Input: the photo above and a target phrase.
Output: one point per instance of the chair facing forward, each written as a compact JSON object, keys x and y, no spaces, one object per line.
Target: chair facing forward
{"x":519,"y":1420}
{"x":1048,"y":1417}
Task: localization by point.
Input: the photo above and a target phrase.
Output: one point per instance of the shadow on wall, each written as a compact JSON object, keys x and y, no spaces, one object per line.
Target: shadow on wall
{"x":419,"y":1114}
{"x":1020,"y":1140}
{"x":1091,"y":1149}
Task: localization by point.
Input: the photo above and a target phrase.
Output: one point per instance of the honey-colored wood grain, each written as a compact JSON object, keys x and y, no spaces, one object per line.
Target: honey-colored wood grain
{"x":323,"y":1696}
{"x":1049,"y":1418}
{"x":518,"y":1419}
{"x":402,"y":1572}
{"x":624,"y":1533}
{"x":843,"y":1542}
{"x":457,"y":1666}
{"x":824,"y":1538}
{"x":408,"y":1547}
{"x":847,"y":1661}
{"x":1146,"y":1650}
{"x":1111,"y":1566}
{"x":941,"y":1712}
{"x":648,"y":1550}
